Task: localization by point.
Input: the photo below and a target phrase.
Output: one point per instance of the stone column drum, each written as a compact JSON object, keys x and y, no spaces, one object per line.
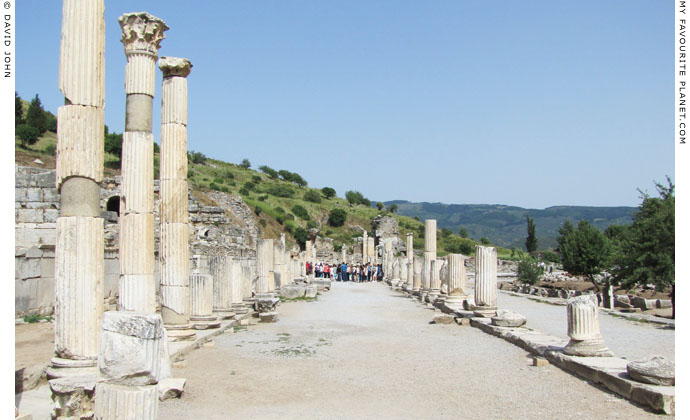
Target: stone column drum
{"x":430,"y":236}
{"x":201,"y":290}
{"x":142,"y":34}
{"x":435,"y":279}
{"x":485,"y":282}
{"x":174,"y":228}
{"x":264,"y":265}
{"x":410,"y":276}
{"x":426,"y":272}
{"x":371,"y":250}
{"x":130,"y":366}
{"x":583,"y":328}
{"x":365,"y":244}
{"x":403,"y":271}
{"x":79,"y":169}
{"x":417,"y":268}
{"x":457,"y":280}
{"x":344,"y":254}
{"x":277,"y":266}
{"x":308,"y":248}
{"x":220,"y":268}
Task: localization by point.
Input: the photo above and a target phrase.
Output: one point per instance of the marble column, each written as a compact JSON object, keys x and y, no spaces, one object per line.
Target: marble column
{"x":429,"y":253}
{"x":396,"y":268}
{"x":79,"y":169}
{"x":141,"y":37}
{"x":174,"y":219}
{"x":248,"y":274}
{"x":277,"y":266}
{"x":365,"y":244}
{"x":417,"y":268}
{"x":237,"y":287}
{"x":264,"y":265}
{"x":371,"y":250}
{"x":344,"y":253}
{"x":201,"y":311}
{"x":308,"y":248}
{"x":583,"y":328}
{"x":435,"y":279}
{"x":485,"y":282}
{"x":457,"y":280}
{"x":221,"y":270}
{"x":403,"y":270}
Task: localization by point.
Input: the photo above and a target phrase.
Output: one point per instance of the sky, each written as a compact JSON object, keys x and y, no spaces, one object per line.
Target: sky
{"x":525,"y":103}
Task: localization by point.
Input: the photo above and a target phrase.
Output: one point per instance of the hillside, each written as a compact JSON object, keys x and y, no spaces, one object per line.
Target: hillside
{"x":506,"y":225}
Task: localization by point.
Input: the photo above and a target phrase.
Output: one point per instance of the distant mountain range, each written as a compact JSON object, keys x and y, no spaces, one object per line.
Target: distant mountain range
{"x":506,"y":225}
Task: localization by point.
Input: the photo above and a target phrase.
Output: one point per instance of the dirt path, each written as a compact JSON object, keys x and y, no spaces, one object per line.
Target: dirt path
{"x":362,"y":352}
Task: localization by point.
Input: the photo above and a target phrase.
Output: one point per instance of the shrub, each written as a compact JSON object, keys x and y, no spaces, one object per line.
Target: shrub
{"x":312,"y":196}
{"x":312,"y":224}
{"x":230,"y":175}
{"x":214,"y":186}
{"x":280,"y":210}
{"x":550,"y":256}
{"x":245,"y":164}
{"x":249,"y":185}
{"x":290,"y":216}
{"x":269,"y":171}
{"x":529,"y":271}
{"x":280,"y":191}
{"x":300,"y":212}
{"x":218,"y":180}
{"x":256,"y":179}
{"x":50,"y":149}
{"x":224,"y":189}
{"x":27,"y":134}
{"x":280,"y":218}
{"x":262,"y":198}
{"x":196,"y":157}
{"x":301,"y":236}
{"x":258,"y":210}
{"x":328,"y":192}
{"x":262,"y":222}
{"x":244,"y":191}
{"x":356,"y":197}
{"x":290,"y":227}
{"x":337,"y":217}
{"x":485,"y":241}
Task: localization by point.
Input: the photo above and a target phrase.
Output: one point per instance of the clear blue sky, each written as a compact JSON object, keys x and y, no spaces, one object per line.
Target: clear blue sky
{"x":527,"y":103}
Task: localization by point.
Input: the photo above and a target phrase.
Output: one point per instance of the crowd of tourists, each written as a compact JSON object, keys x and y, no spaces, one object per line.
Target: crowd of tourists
{"x":357,"y":273}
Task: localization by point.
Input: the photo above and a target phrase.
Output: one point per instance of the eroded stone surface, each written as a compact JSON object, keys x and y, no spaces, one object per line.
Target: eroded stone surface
{"x":506,"y":318}
{"x":656,"y":370}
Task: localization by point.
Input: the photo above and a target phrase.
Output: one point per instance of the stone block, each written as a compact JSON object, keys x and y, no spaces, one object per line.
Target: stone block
{"x":292,"y":291}
{"x":29,"y":215}
{"x":34,"y":252}
{"x":27,"y":268}
{"x":45,"y":180}
{"x":34,"y":194}
{"x":539,"y":362}
{"x":311,"y":291}
{"x":443,"y":319}
{"x":268,"y":316}
{"x":73,"y":396}
{"x":20,"y":194}
{"x":171,"y":388}
{"x":664,"y":303}
{"x":655,"y":370}
{"x":506,"y":318}
{"x":122,"y":402}
{"x":642,"y":303}
{"x":266,"y":304}
{"x":50,"y":215}
{"x":130,"y":348}
{"x":51,"y":195}
{"x":47,"y":267}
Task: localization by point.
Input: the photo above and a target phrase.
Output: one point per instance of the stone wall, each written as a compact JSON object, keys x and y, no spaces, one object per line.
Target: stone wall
{"x":226,"y":229}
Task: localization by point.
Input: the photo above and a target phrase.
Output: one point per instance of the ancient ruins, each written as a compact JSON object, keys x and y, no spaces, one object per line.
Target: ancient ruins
{"x":144,"y":273}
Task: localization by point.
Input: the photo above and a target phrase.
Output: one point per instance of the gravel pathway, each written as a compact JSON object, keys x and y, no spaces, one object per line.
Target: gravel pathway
{"x":363,"y":352}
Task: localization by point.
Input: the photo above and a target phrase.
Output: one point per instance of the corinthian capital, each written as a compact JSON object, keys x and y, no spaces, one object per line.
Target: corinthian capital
{"x":142,"y":32}
{"x":174,"y":66}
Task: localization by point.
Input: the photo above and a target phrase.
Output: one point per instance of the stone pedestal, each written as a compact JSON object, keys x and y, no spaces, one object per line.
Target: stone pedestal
{"x":264,"y":265}
{"x":485,"y":283}
{"x":457,"y":280}
{"x":201,"y":289}
{"x":583,"y":328}
{"x":142,"y":34}
{"x":79,"y":169}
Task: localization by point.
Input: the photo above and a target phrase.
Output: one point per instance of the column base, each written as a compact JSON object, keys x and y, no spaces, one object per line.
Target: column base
{"x":68,"y":368}
{"x":204,"y":322}
{"x":224,"y":313}
{"x":240,"y":308}
{"x":588,"y":348}
{"x":485,"y":311}
{"x":456,"y":300}
{"x":73,"y":397}
{"x":180,"y":332}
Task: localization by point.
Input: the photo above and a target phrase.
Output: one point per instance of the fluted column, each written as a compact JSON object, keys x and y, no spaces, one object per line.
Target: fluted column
{"x":365,"y":244}
{"x":435,"y":279}
{"x":220,"y":268}
{"x":344,"y":253}
{"x":79,"y":169}
{"x":174,"y":228}
{"x":277,"y":267}
{"x":417,"y":268}
{"x":485,"y":283}
{"x":247,"y":280}
{"x":403,"y":270}
{"x":410,"y":275}
{"x":141,"y":37}
{"x":201,"y":305}
{"x":430,"y":236}
{"x":396,"y":269}
{"x":583,"y":328}
{"x":264,"y":265}
{"x":457,"y":279}
{"x":308,"y":249}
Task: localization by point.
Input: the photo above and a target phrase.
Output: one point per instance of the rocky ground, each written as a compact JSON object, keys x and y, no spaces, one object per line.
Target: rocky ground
{"x":363,"y":351}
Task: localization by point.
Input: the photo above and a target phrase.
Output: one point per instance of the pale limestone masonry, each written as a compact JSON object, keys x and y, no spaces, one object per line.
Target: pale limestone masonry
{"x":309,"y":251}
{"x":221,"y":270}
{"x":417,"y":268}
{"x":435,"y":279}
{"x":410,"y":274}
{"x":430,"y":236}
{"x":583,"y":328}
{"x":409,"y":247}
{"x":79,"y":161}
{"x":365,"y":244}
{"x":457,"y":279}
{"x":264,"y":265}
{"x":130,"y":366}
{"x":201,"y":290}
{"x":237,"y":280}
{"x":371,"y":250}
{"x":426,"y":272}
{"x":278,"y":255}
{"x":174,"y":230}
{"x":485,"y":283}
{"x":141,"y":37}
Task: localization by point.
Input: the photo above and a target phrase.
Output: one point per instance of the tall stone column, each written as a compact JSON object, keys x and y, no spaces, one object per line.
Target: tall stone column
{"x":79,"y":169}
{"x":141,"y":37}
{"x":457,"y":280}
{"x":435,"y":279}
{"x":403,"y":270}
{"x":409,"y":246}
{"x":247,"y":281}
{"x":485,"y":283}
{"x":277,"y":266}
{"x":365,"y":244}
{"x":264,"y":265}
{"x":583,"y":328}
{"x":174,"y":228}
{"x":237,"y":286}
{"x":201,"y":312}
{"x":417,"y":268}
{"x":429,"y":253}
{"x":410,"y":276}
{"x":309,"y":248}
{"x":220,"y":268}
{"x":344,"y":253}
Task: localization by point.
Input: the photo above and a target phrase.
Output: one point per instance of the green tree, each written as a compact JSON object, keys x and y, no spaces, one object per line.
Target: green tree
{"x":485,"y":241}
{"x":445,"y":232}
{"x":393,"y":208}
{"x":112,"y":143}
{"x":300,"y":212}
{"x":379,"y":205}
{"x":27,"y":134}
{"x":531,"y":241}
{"x":312,"y":196}
{"x":245,"y":164}
{"x":328,"y":192}
{"x":272,"y":173}
{"x":36,"y":115}
{"x":647,"y":249}
{"x":280,"y":191}
{"x":18,"y":110}
{"x":356,"y":197}
{"x":584,"y":251}
{"x":301,"y":236}
{"x":463,"y":232}
{"x":337,"y":217}
{"x":529,"y":271}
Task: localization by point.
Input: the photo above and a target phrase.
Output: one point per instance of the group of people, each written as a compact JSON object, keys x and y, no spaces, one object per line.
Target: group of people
{"x":346,"y":272}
